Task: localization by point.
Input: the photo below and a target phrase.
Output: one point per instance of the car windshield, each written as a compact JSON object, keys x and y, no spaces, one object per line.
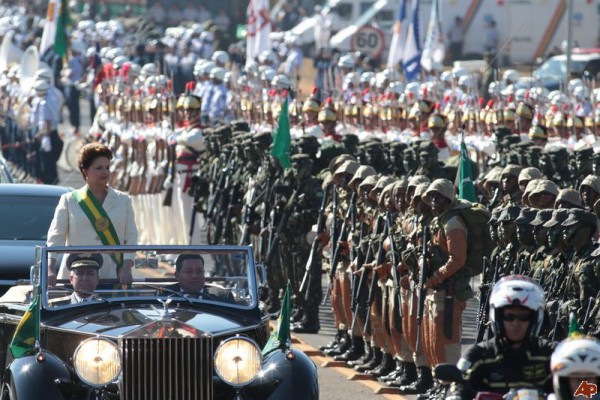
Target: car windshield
{"x":26,"y":217}
{"x":192,"y":274}
{"x":557,"y":69}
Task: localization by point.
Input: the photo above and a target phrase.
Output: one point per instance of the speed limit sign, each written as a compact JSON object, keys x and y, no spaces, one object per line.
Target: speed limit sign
{"x":368,"y":40}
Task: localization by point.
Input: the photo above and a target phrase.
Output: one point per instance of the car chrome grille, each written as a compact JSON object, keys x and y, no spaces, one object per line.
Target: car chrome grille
{"x":167,"y":369}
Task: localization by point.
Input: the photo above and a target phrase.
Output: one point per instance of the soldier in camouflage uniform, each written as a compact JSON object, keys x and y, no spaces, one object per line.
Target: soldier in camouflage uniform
{"x":508,"y":234}
{"x":538,"y":267}
{"x":509,"y":183}
{"x":590,"y":193}
{"x":526,"y":240}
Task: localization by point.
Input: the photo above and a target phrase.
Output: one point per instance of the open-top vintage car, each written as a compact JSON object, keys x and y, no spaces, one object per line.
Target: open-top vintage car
{"x":149,"y":340}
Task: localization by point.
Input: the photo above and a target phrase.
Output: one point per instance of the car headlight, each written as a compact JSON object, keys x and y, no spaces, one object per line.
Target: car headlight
{"x":238,"y":361}
{"x":97,"y":361}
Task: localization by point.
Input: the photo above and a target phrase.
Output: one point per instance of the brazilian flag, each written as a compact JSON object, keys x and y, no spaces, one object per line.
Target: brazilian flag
{"x":281,"y":338}
{"x":61,"y":40}
{"x":282,"y":140}
{"x":28,"y":330}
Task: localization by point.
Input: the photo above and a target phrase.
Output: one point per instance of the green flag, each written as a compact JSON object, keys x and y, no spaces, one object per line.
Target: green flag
{"x":466,"y":188}
{"x":61,"y":43}
{"x":282,"y":139}
{"x":574,"y":329}
{"x":28,"y":330}
{"x":280,"y":338}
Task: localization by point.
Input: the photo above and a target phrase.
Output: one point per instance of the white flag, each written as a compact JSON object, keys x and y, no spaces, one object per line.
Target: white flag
{"x":49,"y":33}
{"x":411,"y":58}
{"x":258,"y":37}
{"x":399,"y":37}
{"x":434,"y":49}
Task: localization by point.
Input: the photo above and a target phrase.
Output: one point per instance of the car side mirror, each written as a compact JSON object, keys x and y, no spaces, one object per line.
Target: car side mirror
{"x":148,"y":262}
{"x":34,"y":275}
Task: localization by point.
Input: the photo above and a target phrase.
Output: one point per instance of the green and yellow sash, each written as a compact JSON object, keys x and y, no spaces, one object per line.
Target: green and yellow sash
{"x":100,"y":221}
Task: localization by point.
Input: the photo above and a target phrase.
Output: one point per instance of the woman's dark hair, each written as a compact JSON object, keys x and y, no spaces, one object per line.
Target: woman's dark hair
{"x":89,"y":153}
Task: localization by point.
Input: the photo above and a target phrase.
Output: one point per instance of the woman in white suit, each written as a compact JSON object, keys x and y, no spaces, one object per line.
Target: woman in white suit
{"x":96,"y":214}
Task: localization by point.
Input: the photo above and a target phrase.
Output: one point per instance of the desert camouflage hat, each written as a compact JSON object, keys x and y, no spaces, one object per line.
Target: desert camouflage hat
{"x":442,"y":186}
{"x":530,"y":173}
{"x":592,"y":181}
{"x":570,"y":196}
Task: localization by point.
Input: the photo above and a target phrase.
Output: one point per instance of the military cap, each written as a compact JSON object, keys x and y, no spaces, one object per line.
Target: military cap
{"x":577,"y":215}
{"x":526,"y":216}
{"x":510,"y":213}
{"x":227,"y":131}
{"x":420,"y":190}
{"x":350,"y":139}
{"x":501,"y":132}
{"x":383,"y":181}
{"x":370,"y":180}
{"x":569,"y":196}
{"x":83,"y":260}
{"x":417,"y":179}
{"x":362,"y":172}
{"x":442,"y":186}
{"x":556,"y":150}
{"x":427,"y":148}
{"x":240,"y":126}
{"x":592,"y":181}
{"x":339,"y":160}
{"x":541,"y":217}
{"x":347,"y":167}
{"x":558,"y":216}
{"x":387,"y":189}
{"x":538,"y":132}
{"x":530,"y":173}
{"x":507,"y":141}
{"x":493,"y":175}
{"x":544,"y":185}
{"x":525,"y":110}
{"x":512,"y":169}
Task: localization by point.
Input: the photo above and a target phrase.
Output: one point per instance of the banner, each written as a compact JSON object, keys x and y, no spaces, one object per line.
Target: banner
{"x":434,"y":50}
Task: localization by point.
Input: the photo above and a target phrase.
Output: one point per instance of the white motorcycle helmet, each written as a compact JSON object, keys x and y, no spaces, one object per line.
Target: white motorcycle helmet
{"x":574,"y":358}
{"x":517,"y":290}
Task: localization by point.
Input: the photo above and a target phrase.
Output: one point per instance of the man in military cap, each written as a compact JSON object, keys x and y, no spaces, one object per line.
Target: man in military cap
{"x":525,"y":114}
{"x":583,"y":164}
{"x":559,"y":158}
{"x":581,"y":283}
{"x":429,"y":164}
{"x":84,"y":277}
{"x":590,"y":193}
{"x":542,"y":194}
{"x":509,"y":182}
{"x":538,"y":135}
{"x":542,"y":250}
{"x":526,"y":239}
{"x":508,"y":234}
{"x":528,"y":174}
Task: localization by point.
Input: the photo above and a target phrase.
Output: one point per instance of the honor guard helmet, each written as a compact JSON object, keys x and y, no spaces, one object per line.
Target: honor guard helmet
{"x":517,"y":290}
{"x":574,"y":357}
{"x":327,"y":114}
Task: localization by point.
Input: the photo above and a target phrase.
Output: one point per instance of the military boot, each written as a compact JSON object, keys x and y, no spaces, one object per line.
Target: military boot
{"x":423,"y":383}
{"x":408,"y":376}
{"x":343,"y":345}
{"x":367,"y":355}
{"x":355,"y":351}
{"x":386,"y":366}
{"x":335,"y":340}
{"x":373,"y":363}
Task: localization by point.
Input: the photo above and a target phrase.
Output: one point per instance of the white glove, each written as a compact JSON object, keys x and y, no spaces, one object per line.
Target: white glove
{"x":46,"y":146}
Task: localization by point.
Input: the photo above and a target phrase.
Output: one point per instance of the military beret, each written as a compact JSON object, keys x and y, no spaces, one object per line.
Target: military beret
{"x":510,"y":213}
{"x":530,"y":173}
{"x":83,"y":260}
{"x":441,"y":186}
{"x":570,"y":196}
{"x":526,"y":216}
{"x":542,"y":216}
{"x":417,"y":179}
{"x":592,"y":181}
{"x":558,"y":216}
{"x":577,"y":215}
{"x":512,"y":169}
{"x":370,"y":180}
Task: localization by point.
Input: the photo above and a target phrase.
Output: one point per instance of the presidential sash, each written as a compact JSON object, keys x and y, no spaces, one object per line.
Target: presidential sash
{"x":100,"y":221}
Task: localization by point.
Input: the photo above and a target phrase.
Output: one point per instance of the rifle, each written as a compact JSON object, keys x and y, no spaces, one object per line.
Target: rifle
{"x":274,"y":242}
{"x":172,"y":155}
{"x":421,"y":298}
{"x":343,"y":237}
{"x":484,"y":299}
{"x":563,"y":299}
{"x":332,"y":229}
{"x":373,"y":288}
{"x":263,"y":220}
{"x":314,"y":249}
{"x":219,"y":187}
{"x":395,"y":280}
{"x":245,"y":237}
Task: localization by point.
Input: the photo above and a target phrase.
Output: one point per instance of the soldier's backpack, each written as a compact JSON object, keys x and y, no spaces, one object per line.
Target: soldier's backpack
{"x":479,"y":242}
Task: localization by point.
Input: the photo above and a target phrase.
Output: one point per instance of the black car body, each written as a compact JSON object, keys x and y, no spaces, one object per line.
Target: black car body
{"x":150,"y":341}
{"x":26,"y":211}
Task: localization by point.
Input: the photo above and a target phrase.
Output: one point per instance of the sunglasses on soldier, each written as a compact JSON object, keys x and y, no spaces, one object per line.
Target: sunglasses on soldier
{"x":509,"y":317}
